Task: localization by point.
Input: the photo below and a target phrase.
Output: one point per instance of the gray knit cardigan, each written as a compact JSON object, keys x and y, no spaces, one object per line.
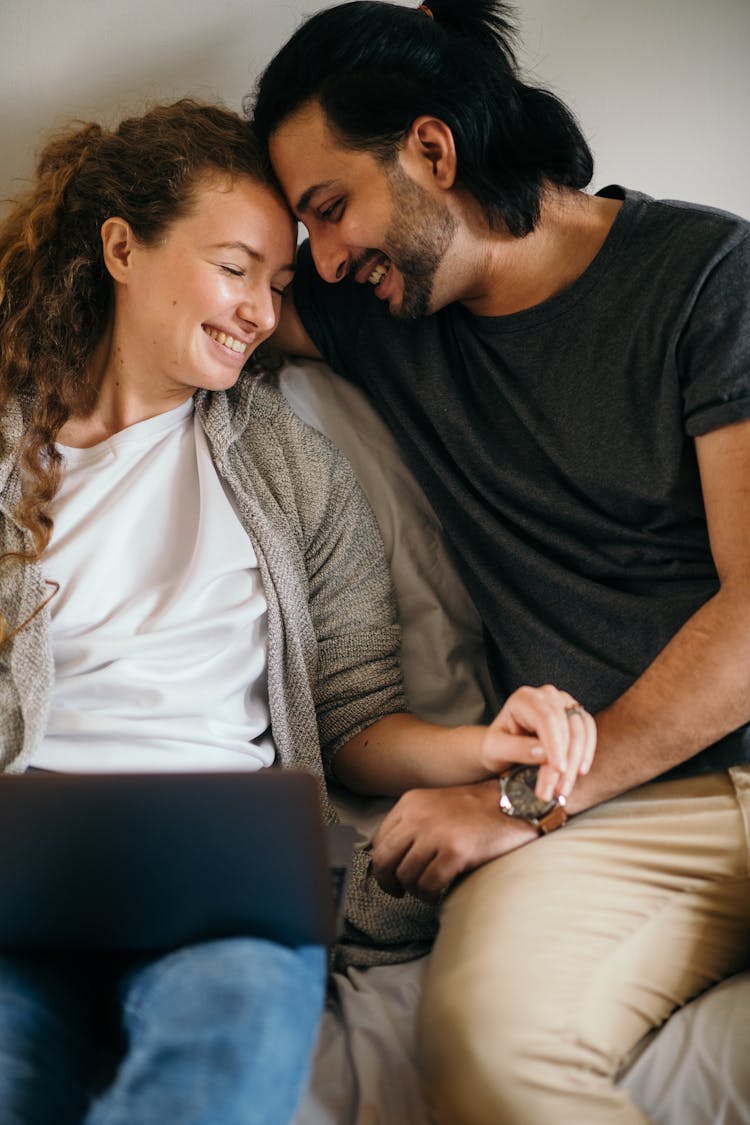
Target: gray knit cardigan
{"x":333,"y":634}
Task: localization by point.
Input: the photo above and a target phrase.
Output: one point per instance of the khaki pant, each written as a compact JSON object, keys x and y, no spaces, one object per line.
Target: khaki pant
{"x":554,"y":961}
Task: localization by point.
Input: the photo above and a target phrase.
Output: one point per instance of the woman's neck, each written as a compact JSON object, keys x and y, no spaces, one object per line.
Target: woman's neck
{"x":122,"y":399}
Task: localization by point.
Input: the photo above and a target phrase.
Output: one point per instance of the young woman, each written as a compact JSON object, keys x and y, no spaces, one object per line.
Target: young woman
{"x":190,"y":579}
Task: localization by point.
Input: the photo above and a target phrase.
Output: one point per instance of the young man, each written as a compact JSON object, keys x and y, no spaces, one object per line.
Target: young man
{"x":569,"y":377}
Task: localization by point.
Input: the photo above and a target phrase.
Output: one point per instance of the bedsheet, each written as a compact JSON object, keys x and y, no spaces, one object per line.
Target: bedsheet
{"x":694,"y":1071}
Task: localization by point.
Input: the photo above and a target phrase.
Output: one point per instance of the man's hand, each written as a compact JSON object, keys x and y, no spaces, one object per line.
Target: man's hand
{"x":431,"y":836}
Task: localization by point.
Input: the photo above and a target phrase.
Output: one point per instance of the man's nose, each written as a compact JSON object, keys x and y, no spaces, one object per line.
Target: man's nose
{"x":330,"y":257}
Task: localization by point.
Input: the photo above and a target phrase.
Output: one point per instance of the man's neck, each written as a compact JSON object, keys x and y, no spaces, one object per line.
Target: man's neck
{"x":520,"y":273}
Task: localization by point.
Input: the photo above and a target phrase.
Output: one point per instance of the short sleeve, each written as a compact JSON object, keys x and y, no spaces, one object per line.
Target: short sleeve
{"x":714,"y":349}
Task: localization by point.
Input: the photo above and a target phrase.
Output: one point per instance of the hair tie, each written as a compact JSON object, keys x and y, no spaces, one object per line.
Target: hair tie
{"x":426,"y":10}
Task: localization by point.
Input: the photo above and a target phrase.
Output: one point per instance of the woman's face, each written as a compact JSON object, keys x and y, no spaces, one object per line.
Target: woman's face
{"x":191,"y":308}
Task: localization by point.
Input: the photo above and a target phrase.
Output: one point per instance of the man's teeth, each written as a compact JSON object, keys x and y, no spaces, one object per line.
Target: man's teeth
{"x":227,"y":341}
{"x":379,"y":273}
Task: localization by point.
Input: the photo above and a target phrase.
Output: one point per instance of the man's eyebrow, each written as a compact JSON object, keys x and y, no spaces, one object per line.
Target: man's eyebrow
{"x":254,"y":254}
{"x":304,"y":200}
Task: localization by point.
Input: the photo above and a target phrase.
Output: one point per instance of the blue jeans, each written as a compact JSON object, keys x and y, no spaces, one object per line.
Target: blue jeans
{"x":219,"y":1033}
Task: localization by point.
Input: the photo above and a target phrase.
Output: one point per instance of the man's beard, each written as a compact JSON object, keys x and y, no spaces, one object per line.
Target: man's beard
{"x":417,"y":241}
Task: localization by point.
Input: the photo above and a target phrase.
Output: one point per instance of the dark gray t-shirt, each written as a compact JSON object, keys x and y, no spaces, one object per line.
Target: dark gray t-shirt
{"x":555,"y":444}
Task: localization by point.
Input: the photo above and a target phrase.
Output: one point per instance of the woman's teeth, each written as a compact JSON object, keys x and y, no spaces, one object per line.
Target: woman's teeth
{"x":379,"y":273}
{"x":227,"y":341}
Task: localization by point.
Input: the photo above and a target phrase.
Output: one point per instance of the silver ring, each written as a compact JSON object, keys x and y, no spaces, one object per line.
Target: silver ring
{"x":575,"y":709}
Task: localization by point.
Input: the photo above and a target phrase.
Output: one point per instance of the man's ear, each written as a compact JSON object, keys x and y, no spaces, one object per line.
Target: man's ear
{"x":118,"y":241}
{"x":429,"y":150}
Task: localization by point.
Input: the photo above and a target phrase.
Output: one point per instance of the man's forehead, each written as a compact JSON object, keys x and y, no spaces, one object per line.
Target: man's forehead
{"x":308,"y":158}
{"x":308,"y":125}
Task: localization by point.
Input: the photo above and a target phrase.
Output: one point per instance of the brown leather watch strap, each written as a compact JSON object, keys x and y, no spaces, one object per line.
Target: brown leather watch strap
{"x":555,"y":818}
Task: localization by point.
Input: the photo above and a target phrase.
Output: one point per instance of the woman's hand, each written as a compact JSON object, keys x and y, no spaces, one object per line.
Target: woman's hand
{"x":537,"y":726}
{"x":545,"y":727}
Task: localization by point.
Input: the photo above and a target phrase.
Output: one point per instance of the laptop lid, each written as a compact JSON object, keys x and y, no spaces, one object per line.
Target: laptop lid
{"x":155,"y":861}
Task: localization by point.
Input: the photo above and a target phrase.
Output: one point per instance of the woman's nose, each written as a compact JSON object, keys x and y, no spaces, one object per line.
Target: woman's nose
{"x":259,"y":311}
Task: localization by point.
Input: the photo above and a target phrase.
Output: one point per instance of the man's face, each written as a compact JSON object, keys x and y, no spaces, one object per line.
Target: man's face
{"x":365,"y":218}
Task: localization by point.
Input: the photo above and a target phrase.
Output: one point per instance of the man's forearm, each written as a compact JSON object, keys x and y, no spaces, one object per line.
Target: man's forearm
{"x":696,"y":691}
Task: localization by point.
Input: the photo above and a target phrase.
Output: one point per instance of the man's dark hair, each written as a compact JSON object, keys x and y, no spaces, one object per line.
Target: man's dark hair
{"x":375,"y":67}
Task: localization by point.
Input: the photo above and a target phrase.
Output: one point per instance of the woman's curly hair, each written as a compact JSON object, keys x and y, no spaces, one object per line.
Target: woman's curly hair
{"x":55,"y":292}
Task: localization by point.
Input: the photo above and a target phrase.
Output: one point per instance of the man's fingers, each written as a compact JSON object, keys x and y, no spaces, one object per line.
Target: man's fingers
{"x":429,"y":866}
{"x":388,"y":850}
{"x":411,"y":872}
{"x":388,"y":882}
{"x":434,"y":879}
{"x":416,"y":854}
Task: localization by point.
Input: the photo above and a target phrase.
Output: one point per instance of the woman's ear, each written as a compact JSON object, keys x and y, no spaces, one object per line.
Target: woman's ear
{"x":429,"y":150}
{"x":117,"y":245}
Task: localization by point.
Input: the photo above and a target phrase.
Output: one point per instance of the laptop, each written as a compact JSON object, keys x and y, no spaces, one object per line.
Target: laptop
{"x":155,"y":861}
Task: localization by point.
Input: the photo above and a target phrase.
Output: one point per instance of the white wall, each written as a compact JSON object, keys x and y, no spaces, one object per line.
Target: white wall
{"x":661,"y":87}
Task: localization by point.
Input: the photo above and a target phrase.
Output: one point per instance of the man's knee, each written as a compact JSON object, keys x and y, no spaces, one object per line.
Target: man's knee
{"x":485,"y":1056}
{"x":474,"y":1056}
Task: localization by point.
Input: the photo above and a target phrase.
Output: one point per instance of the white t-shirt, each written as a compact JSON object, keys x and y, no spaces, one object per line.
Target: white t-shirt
{"x":159,"y":629}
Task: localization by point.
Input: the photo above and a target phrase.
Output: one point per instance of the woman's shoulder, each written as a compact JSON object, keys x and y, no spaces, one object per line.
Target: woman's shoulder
{"x":266,"y":412}
{"x":254,"y":425}
{"x":252,"y":409}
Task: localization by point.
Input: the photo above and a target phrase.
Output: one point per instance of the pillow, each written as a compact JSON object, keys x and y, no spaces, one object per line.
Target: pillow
{"x":445,"y":673}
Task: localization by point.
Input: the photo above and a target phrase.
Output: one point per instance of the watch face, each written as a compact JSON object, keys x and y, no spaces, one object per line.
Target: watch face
{"x":519,"y":789}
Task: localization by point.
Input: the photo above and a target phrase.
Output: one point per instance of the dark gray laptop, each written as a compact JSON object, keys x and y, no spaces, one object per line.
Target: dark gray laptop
{"x":154,"y":861}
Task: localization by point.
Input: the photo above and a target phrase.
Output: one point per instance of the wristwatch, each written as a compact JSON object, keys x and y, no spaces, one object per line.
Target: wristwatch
{"x":517,"y":798}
